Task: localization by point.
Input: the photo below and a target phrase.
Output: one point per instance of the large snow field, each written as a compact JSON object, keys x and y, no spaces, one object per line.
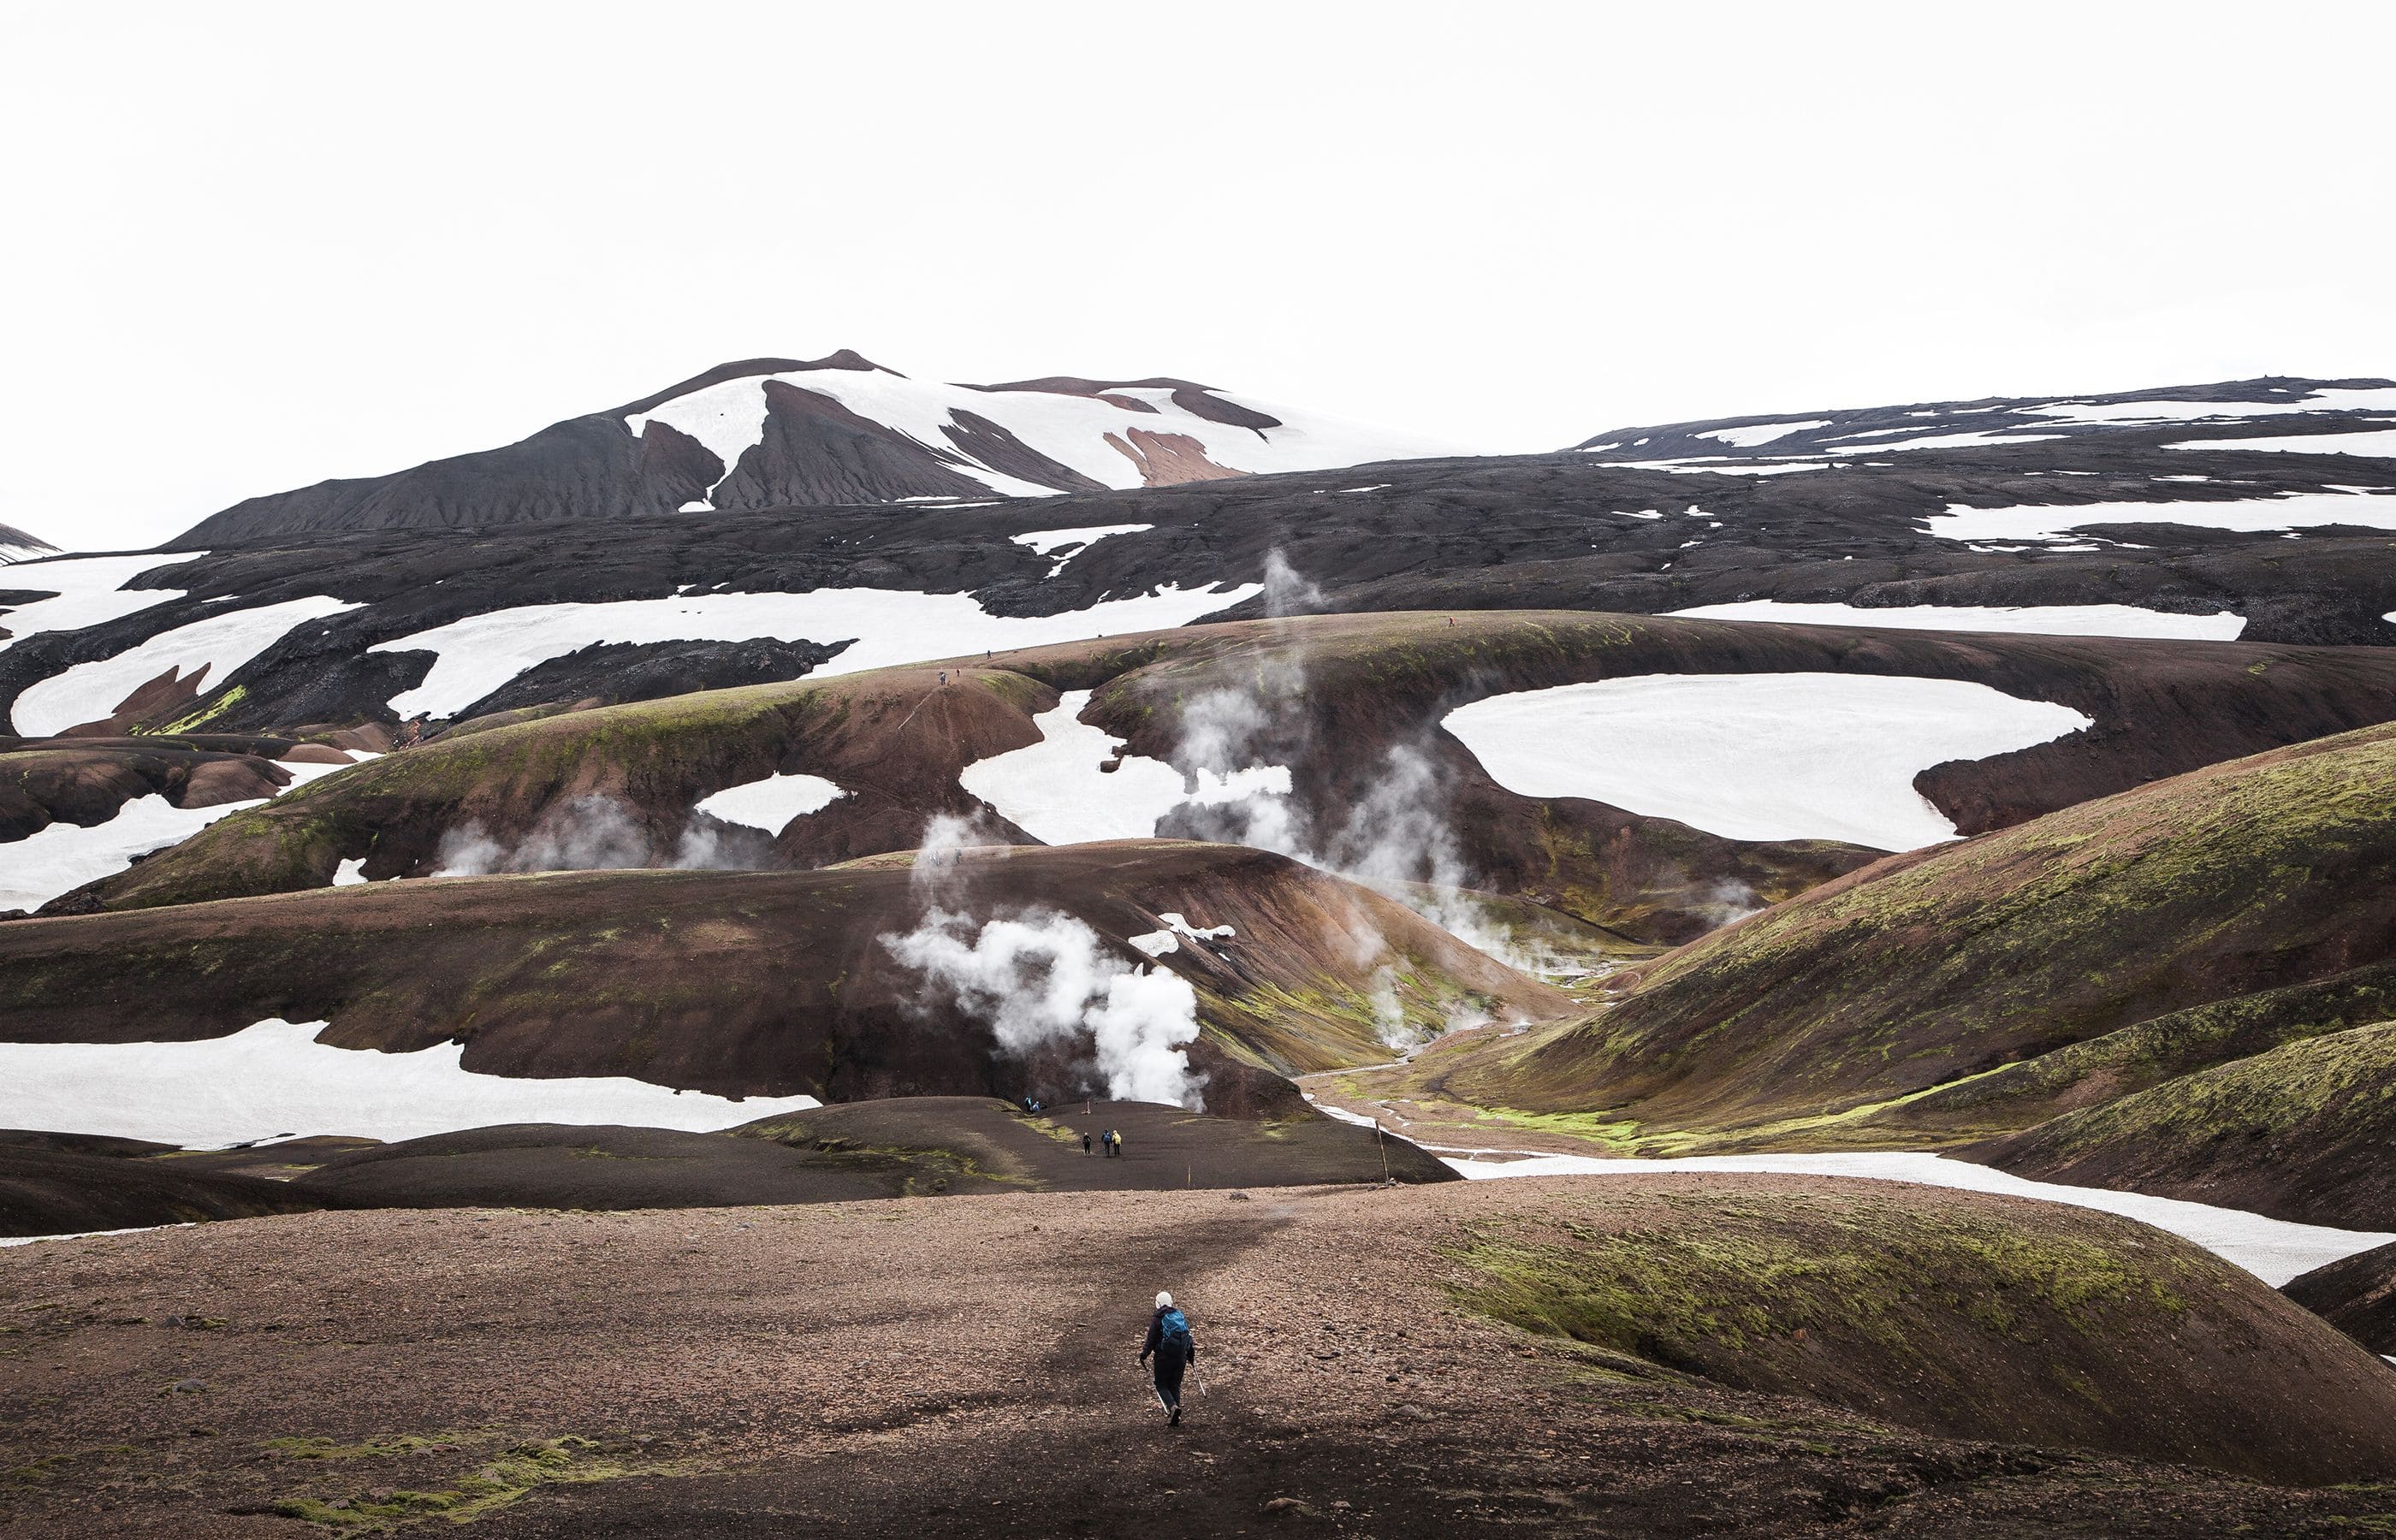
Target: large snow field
{"x":1975,"y":440}
{"x":2054,"y":521}
{"x":61,"y":857}
{"x":1710,"y":466}
{"x":89,"y":591}
{"x":2377,"y":443}
{"x":1762,"y":756}
{"x":210,"y":649}
{"x":2274,"y":1250}
{"x":771,"y":804}
{"x":1755,"y":433}
{"x":1056,"y":791}
{"x":730,"y":419}
{"x":884,"y":625}
{"x":2095,"y":413}
{"x":2026,"y":619}
{"x":273,"y":1080}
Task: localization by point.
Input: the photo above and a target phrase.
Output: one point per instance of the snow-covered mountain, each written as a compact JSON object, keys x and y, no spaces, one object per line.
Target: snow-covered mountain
{"x":2322,"y":416}
{"x":779,"y":432}
{"x":17,"y":546}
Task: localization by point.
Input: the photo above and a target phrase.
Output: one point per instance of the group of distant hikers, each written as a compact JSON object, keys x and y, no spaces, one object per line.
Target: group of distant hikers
{"x":1110,"y":1144}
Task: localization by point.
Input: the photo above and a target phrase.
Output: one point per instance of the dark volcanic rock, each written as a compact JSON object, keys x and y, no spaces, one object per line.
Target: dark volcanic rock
{"x":616,"y":672}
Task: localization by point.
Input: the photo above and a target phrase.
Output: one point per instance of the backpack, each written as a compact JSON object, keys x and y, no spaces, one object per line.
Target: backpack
{"x":1173,"y":1336}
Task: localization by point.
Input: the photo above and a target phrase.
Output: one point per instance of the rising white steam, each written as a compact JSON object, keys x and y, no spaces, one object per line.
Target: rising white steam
{"x":1288,"y":591}
{"x":596,"y":833}
{"x":1042,"y":978}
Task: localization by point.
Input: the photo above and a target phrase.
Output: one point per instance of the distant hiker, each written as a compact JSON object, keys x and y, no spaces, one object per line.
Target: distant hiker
{"x":1086,"y":1144}
{"x":944,"y":676}
{"x":1118,"y":1136}
{"x":1169,"y":1340}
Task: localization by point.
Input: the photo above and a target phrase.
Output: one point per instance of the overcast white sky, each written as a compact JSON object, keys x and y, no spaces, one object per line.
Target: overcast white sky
{"x":253,"y":246}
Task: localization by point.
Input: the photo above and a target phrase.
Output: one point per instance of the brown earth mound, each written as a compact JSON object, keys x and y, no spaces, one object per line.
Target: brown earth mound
{"x":2356,"y":1295}
{"x":764,"y":983}
{"x":964,"y":1365}
{"x":85,"y":782}
{"x":907,"y":1146}
{"x":57,"y":1191}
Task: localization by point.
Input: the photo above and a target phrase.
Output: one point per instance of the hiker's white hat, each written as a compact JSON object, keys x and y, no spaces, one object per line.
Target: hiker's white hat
{"x":1164,"y":1300}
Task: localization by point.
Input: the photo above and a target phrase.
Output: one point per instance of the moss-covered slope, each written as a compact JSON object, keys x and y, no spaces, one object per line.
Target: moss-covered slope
{"x":1955,"y":1313}
{"x":1923,"y":970}
{"x":2302,"y":1132}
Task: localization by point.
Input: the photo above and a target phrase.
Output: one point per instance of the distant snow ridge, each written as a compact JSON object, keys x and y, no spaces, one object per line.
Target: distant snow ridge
{"x":2366,"y":406}
{"x":273,"y":1080}
{"x":1038,"y":437}
{"x":1763,"y":756}
{"x":16,"y":545}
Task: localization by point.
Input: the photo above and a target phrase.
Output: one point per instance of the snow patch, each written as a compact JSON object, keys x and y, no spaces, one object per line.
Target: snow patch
{"x":2274,"y":1249}
{"x":1159,"y":943}
{"x":2380,"y":442}
{"x":1043,"y":541}
{"x":2026,"y":619}
{"x":273,"y":1081}
{"x":771,"y":804}
{"x":1763,"y":756}
{"x":883,"y":627}
{"x":1754,"y":433}
{"x":1057,"y":792}
{"x":206,"y":650}
{"x":87,"y":590}
{"x":2049,"y":520}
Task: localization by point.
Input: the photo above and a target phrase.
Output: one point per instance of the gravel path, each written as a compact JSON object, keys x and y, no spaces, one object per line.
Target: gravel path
{"x":941,"y":1365}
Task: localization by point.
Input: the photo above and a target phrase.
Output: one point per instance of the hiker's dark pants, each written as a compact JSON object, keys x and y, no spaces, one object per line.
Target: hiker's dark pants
{"x":1169,"y":1381}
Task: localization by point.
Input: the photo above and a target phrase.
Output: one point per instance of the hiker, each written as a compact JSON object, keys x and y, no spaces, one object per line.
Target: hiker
{"x":1086,"y":1143}
{"x":1169,"y":1340}
{"x":944,"y":676}
{"x":1118,"y":1144}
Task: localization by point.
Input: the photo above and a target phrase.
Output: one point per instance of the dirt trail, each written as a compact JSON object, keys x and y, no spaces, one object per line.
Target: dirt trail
{"x":951,"y":1365}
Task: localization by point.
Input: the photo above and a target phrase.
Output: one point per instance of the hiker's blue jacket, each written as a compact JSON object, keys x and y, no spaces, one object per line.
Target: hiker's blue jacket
{"x":1169,"y":1351}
